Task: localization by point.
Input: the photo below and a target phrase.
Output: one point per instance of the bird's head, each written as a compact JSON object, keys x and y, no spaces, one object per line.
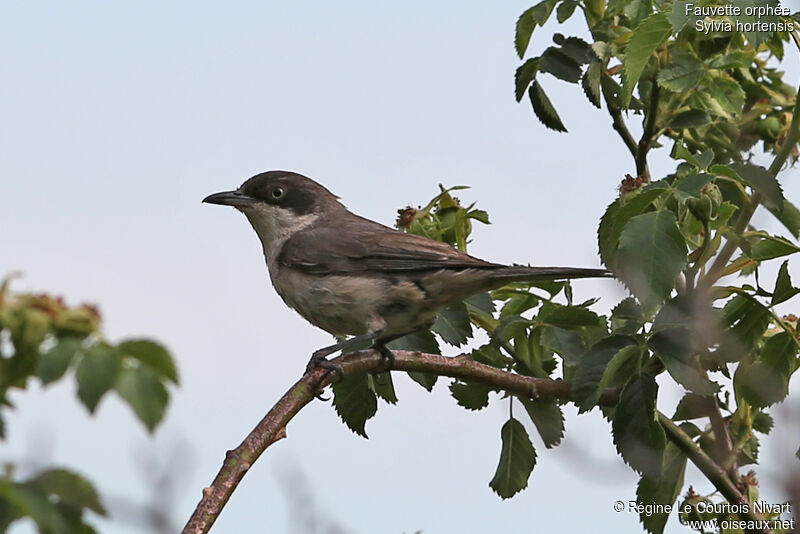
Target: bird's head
{"x":279,"y":203}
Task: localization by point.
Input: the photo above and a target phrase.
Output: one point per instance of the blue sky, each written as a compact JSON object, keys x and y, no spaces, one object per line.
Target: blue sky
{"x":118,"y":118}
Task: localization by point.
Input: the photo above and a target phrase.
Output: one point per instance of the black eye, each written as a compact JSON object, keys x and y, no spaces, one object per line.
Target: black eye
{"x":277,"y":192}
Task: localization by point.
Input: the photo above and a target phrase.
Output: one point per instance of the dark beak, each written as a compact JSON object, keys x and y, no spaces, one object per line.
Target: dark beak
{"x":229,"y":198}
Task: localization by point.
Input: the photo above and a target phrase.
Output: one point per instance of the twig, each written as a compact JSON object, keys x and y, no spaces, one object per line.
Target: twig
{"x":648,"y":132}
{"x":732,"y":242}
{"x":618,"y":122}
{"x":272,"y":427}
{"x":713,"y":472}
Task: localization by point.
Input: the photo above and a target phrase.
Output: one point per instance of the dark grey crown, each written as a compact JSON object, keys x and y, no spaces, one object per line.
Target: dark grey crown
{"x":290,"y":190}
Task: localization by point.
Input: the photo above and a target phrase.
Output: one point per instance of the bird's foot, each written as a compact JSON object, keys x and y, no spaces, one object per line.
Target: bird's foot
{"x":318,"y":360}
{"x":386,"y":354}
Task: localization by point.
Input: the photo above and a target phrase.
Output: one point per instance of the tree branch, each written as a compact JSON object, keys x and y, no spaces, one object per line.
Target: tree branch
{"x":712,"y":471}
{"x":647,"y":134}
{"x":273,"y":426}
{"x":618,"y":122}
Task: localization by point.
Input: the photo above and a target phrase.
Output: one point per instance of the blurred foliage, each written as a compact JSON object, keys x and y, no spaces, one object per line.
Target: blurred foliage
{"x":718,"y":98}
{"x":42,"y":338}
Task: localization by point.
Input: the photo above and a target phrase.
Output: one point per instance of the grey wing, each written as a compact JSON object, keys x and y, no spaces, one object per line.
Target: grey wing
{"x":361,"y":246}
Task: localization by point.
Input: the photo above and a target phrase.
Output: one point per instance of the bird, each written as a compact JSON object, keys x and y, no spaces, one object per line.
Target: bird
{"x":352,"y":276}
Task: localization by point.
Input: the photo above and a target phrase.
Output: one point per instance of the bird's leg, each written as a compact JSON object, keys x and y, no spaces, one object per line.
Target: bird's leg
{"x":386,"y":353}
{"x":348,"y":345}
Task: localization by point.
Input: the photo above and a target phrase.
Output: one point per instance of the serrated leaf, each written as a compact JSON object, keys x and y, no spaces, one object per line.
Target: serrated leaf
{"x":682,"y":74}
{"x":639,"y":437}
{"x":763,"y":422}
{"x":646,"y":38}
{"x":784,"y":290}
{"x":141,"y":387}
{"x":677,"y":16}
{"x":96,"y":374}
{"x":510,"y":327}
{"x":524,"y":76}
{"x":556,"y":62}
{"x":617,"y":215}
{"x":748,"y":320}
{"x":565,"y":10}
{"x":662,"y":489}
{"x":70,"y":488}
{"x":482,"y":302}
{"x":761,"y":385}
{"x":548,"y":418}
{"x":355,"y":402}
{"x":54,"y":363}
{"x":771,"y":247}
{"x":625,"y":363}
{"x":692,"y":406}
{"x":592,"y":366}
{"x":779,"y":352}
{"x":590,"y":83}
{"x":566,"y":343}
{"x":544,"y":109}
{"x":652,"y":252}
{"x":452,"y":324}
{"x":762,"y":181}
{"x":421,"y":341}
{"x":569,"y":317}
{"x":470,"y":395}
{"x":383,"y":386}
{"x":674,"y":348}
{"x":425,"y":380}
{"x":694,"y":118}
{"x":517,"y":459}
{"x":726,"y":92}
{"x":151,"y":354}
{"x":789,"y":216}
{"x":627,"y":317}
{"x":527,"y":22}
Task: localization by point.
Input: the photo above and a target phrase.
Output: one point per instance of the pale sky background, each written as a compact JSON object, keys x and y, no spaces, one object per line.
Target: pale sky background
{"x":119,"y":117}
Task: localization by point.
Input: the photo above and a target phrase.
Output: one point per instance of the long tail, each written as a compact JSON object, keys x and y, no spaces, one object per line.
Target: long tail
{"x":522,"y":274}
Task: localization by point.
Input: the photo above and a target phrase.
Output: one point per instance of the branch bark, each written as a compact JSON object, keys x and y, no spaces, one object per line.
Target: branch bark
{"x":273,"y":426}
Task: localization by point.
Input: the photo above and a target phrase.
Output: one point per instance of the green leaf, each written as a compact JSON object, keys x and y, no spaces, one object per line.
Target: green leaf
{"x":554,"y":61}
{"x":762,"y":181}
{"x":617,"y":215}
{"x":524,"y":76}
{"x":627,"y":317}
{"x":153,"y":355}
{"x":682,"y":74}
{"x":779,"y":353}
{"x":674,"y":348}
{"x":569,"y":317}
{"x":652,"y":252}
{"x":772,"y":247}
{"x":625,"y":363}
{"x":692,"y":406}
{"x":141,"y":387}
{"x":694,"y":118}
{"x":748,"y":320}
{"x":760,"y":384}
{"x":565,"y":10}
{"x":763,"y":422}
{"x":489,"y":354}
{"x":517,"y":459}
{"x":727,"y":96}
{"x":662,"y":489}
{"x":544,"y":109}
{"x":591,"y":83}
{"x":527,"y":22}
{"x":639,"y":437}
{"x":647,"y":37}
{"x":789,"y":216}
{"x":470,"y":395}
{"x":784,"y":290}
{"x":383,"y":386}
{"x":96,"y":374}
{"x":566,"y":343}
{"x":548,"y":418}
{"x":355,"y":402}
{"x":482,"y":302}
{"x":70,"y":488}
{"x":54,"y":363}
{"x":425,"y":380}
{"x":421,"y":341}
{"x":453,"y":325}
{"x":592,"y":366}
{"x":677,"y":16}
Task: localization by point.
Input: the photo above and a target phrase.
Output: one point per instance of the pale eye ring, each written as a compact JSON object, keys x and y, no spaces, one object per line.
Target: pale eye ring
{"x":277,"y":193}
